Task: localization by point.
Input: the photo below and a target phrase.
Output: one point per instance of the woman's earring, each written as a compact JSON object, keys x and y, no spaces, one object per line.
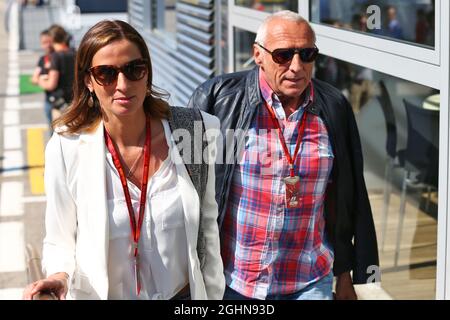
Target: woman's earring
{"x":91,"y":100}
{"x":148,"y":92}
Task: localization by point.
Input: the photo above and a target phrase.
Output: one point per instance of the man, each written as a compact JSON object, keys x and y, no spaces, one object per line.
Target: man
{"x":294,"y":208}
{"x":393,"y":28}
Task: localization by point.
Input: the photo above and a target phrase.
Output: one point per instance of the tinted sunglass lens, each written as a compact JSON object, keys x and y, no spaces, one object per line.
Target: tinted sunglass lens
{"x":308,"y":54}
{"x":282,"y":56}
{"x":135,"y":71}
{"x":105,"y":75}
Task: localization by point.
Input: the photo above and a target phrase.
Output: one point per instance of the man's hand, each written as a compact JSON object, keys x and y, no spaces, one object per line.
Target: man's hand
{"x":56,"y":283}
{"x":344,"y":287}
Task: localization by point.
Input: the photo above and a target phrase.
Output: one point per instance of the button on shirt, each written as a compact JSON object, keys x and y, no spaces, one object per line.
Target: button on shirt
{"x":267,"y":248}
{"x":162,"y":245}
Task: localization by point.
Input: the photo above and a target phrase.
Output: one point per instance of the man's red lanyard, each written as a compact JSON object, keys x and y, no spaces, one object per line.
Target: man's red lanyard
{"x":301,"y":130}
{"x":135,"y":229}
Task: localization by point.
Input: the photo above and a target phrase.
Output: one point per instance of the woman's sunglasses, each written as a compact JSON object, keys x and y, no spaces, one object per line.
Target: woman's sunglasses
{"x":106,"y":75}
{"x":282,"y":56}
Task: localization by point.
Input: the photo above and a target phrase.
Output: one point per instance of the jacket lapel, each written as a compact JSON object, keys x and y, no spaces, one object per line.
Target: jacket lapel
{"x":253,"y":99}
{"x":92,"y":168}
{"x":190,"y":199}
{"x":191,"y":209}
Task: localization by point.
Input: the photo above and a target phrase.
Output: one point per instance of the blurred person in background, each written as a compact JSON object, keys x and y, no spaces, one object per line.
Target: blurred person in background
{"x":422,"y":27}
{"x":43,"y":68}
{"x":59,"y":80}
{"x":361,"y":87}
{"x":393,"y":27}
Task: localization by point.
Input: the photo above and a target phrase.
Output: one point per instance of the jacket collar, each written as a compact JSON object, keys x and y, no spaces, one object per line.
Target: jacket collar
{"x":96,"y":134}
{"x":189,"y":198}
{"x":252,"y":84}
{"x":315,"y":107}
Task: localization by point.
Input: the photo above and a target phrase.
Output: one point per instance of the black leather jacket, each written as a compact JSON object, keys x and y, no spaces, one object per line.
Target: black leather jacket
{"x":234,"y":99}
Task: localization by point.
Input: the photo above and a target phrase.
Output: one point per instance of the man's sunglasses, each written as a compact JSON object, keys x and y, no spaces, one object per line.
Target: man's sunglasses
{"x":106,"y":75}
{"x":282,"y":56}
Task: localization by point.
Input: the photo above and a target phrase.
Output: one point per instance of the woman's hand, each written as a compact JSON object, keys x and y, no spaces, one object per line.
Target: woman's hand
{"x":35,"y":77}
{"x":49,"y":81}
{"x":56,"y":283}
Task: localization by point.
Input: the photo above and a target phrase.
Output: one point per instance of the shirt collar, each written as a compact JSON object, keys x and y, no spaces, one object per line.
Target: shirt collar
{"x":273,"y":101}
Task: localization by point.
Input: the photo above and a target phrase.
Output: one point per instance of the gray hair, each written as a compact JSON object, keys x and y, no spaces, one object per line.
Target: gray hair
{"x":288,"y":15}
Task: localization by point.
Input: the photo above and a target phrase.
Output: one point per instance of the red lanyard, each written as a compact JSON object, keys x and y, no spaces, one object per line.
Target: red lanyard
{"x":135,"y":229}
{"x":301,"y":131}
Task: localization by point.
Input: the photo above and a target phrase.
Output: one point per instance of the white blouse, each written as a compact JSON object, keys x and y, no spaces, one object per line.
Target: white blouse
{"x":163,"y":243}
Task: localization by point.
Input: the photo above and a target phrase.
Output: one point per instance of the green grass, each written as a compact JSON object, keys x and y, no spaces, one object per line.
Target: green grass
{"x":26,"y":87}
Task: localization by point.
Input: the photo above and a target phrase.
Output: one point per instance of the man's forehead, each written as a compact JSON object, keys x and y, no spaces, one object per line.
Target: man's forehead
{"x":279,"y":31}
{"x":285,"y":23}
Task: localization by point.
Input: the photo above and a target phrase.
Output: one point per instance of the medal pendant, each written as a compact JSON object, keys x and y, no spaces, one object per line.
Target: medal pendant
{"x":137,"y":275}
{"x":292,"y":192}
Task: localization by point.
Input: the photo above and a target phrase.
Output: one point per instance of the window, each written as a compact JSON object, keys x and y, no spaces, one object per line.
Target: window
{"x":169,"y":15}
{"x":398,"y":123}
{"x":89,"y":6}
{"x":165,"y":19}
{"x":243,"y":49}
{"x":399,"y":20}
{"x":223,"y":65}
{"x":268,"y":5}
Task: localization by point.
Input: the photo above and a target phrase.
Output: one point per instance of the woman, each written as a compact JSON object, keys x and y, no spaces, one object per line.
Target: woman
{"x":59,"y":79}
{"x":115,"y":131}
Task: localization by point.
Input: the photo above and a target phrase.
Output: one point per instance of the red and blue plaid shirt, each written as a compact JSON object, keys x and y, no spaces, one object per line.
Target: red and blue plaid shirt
{"x":267,"y":248}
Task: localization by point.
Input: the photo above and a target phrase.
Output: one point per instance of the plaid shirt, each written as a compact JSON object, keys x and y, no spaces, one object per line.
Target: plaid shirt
{"x":266,"y":247}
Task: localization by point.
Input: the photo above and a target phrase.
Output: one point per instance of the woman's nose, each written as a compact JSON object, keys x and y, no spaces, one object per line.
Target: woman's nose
{"x":122,"y":81}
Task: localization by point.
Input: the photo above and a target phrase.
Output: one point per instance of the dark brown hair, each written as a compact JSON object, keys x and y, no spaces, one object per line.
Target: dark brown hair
{"x":45,"y":32}
{"x":79,"y":116}
{"x":58,"y":34}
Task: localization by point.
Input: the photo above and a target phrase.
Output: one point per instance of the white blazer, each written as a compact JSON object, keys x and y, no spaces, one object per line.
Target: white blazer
{"x":76,"y":219}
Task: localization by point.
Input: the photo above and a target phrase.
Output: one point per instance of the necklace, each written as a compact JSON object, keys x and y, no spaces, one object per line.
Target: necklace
{"x":133,"y":166}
